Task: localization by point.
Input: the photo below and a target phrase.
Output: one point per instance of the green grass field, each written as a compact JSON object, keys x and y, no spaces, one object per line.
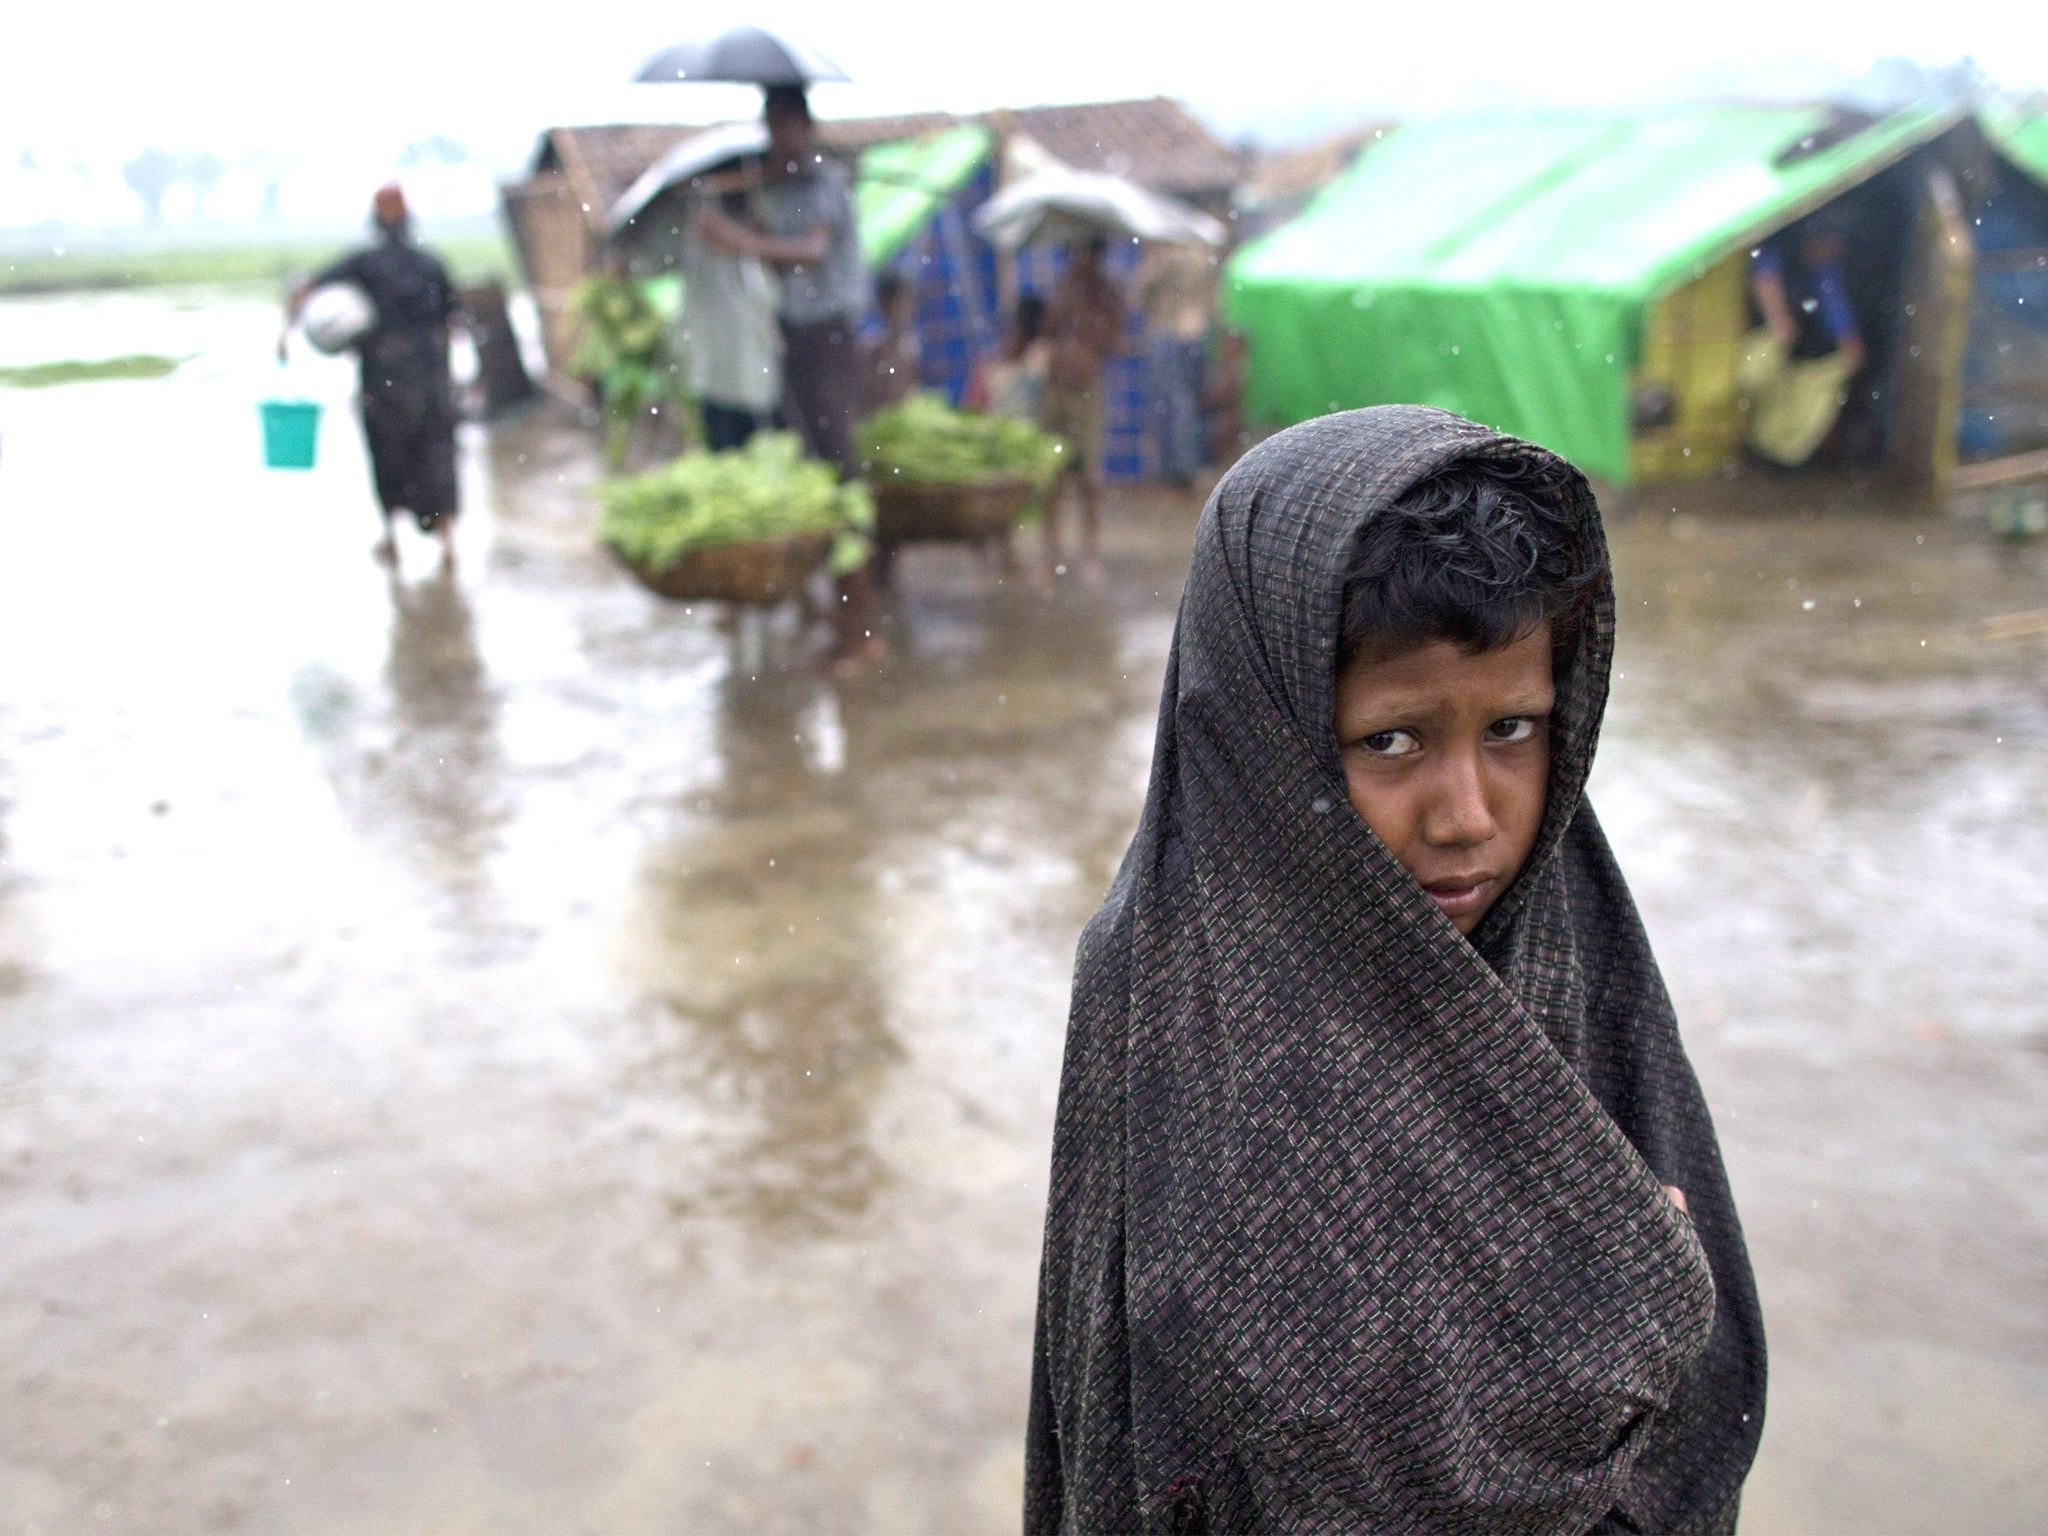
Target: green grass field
{"x":470,"y":257}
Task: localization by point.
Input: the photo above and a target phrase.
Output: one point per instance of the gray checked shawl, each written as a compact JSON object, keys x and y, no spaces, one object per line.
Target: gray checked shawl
{"x":1355,"y":1225}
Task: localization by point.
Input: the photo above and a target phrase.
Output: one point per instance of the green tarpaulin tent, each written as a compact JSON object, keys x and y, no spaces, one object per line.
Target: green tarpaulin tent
{"x":2023,"y":136}
{"x":1501,"y":266}
{"x":902,"y":186}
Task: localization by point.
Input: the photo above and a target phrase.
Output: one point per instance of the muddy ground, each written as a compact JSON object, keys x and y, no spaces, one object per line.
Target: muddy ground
{"x":500,"y":1055}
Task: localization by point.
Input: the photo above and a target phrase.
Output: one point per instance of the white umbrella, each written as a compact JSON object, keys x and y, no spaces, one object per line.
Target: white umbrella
{"x":1058,"y":205}
{"x":695,"y":156}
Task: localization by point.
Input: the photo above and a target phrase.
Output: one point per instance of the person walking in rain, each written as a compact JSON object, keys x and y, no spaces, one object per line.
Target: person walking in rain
{"x":1384,"y":1197}
{"x":406,"y":398}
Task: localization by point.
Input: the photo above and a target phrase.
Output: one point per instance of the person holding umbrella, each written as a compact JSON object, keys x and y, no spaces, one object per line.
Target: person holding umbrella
{"x":1053,"y":204}
{"x":693,"y":209}
{"x":807,"y":207}
{"x":808,"y":234}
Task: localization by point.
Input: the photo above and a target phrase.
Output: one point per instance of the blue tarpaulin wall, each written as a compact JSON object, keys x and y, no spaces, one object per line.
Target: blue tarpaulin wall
{"x":2003,"y":407}
{"x":954,"y":273}
{"x":958,"y":318}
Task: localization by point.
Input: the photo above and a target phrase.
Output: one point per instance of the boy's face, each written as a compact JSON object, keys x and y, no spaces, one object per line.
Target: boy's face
{"x":1447,"y":757}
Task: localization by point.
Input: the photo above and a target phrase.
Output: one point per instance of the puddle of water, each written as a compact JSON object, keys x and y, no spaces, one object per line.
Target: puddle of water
{"x":475,"y":1060}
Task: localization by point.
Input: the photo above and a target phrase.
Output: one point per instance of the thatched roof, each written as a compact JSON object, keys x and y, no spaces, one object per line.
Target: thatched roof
{"x":1156,"y":142}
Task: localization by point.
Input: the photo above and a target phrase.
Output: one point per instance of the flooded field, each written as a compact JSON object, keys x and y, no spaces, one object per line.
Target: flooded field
{"x":501,"y":1055}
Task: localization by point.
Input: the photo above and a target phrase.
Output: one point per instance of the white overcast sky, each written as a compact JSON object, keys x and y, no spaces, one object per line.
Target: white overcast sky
{"x":90,"y":82}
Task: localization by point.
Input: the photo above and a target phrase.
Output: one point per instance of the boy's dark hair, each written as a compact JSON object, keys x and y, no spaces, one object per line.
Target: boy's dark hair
{"x":889,"y":287}
{"x":1479,"y":554}
{"x":1029,"y":317}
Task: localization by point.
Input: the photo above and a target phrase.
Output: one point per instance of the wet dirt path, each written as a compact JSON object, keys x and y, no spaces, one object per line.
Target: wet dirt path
{"x":490,"y":1056}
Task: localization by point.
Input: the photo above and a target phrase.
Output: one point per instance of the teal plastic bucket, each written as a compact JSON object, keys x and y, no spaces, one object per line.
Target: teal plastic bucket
{"x":291,"y":433}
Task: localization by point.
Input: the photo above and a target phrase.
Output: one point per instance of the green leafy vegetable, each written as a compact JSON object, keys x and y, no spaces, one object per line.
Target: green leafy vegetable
{"x":766,"y":490}
{"x":926,"y":440}
{"x":623,"y":349}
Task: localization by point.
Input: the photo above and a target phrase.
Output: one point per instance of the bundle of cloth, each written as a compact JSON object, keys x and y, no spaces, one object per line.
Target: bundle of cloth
{"x":1792,"y":403}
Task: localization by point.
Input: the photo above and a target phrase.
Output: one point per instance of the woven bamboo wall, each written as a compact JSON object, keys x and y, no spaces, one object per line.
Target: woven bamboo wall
{"x":556,"y":251}
{"x":1692,"y":347}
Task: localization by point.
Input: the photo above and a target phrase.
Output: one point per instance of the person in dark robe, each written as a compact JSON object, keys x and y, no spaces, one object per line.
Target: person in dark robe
{"x":1384,"y":1198}
{"x":406,"y":398}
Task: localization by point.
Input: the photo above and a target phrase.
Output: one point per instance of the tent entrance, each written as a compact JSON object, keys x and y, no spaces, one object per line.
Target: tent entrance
{"x":1905,"y":266}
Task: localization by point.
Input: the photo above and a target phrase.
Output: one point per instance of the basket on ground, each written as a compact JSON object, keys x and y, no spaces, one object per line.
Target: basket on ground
{"x":966,"y":511}
{"x":763,"y":571}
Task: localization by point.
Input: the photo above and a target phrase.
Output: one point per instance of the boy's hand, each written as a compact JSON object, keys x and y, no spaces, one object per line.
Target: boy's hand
{"x":1678,"y":1198}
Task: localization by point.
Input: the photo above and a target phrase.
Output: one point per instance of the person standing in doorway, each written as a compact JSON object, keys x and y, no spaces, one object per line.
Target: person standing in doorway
{"x":1177,"y":292}
{"x":807,"y":211}
{"x":1085,"y":325}
{"x":1798,"y":365}
{"x":407,"y":399}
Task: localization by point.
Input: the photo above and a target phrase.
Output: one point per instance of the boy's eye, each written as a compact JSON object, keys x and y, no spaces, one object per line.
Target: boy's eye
{"x":1390,"y":743}
{"x":1513,"y":729}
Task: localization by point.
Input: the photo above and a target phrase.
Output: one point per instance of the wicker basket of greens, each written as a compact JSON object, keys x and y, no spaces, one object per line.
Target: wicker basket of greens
{"x":941,"y":474}
{"x":748,"y":526}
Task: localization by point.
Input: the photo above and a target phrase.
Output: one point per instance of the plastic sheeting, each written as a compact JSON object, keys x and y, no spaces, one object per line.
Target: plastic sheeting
{"x":901,"y":187}
{"x":2023,"y":136}
{"x":1500,"y":266}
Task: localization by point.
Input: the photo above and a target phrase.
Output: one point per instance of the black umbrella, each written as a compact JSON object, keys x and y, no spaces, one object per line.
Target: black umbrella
{"x":745,"y":56}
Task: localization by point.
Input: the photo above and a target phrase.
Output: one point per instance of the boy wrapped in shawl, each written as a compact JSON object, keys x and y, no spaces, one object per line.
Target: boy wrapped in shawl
{"x":1358,"y":1222}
